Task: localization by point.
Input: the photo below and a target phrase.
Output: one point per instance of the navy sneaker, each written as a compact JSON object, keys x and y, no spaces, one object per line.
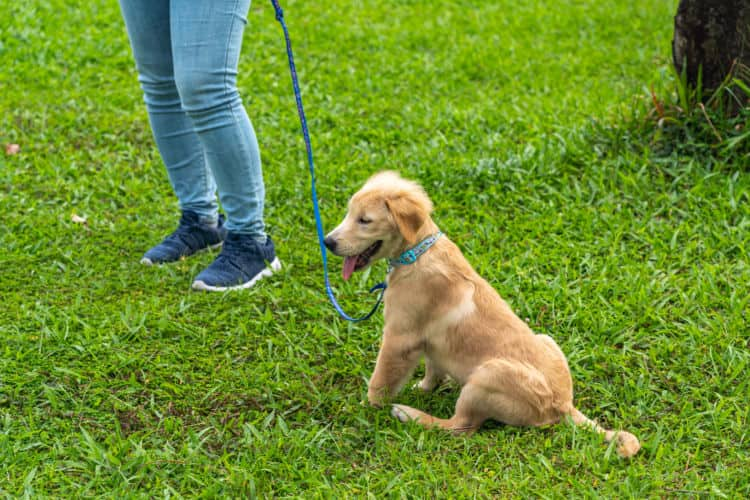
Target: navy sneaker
{"x":242,"y":262}
{"x":190,"y":236}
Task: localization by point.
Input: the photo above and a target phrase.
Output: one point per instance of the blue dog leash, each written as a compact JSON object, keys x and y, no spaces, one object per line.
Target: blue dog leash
{"x":316,"y":209}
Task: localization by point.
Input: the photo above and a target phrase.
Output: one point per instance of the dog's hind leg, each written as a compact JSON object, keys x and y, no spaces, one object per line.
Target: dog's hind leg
{"x":467,"y":418}
{"x":457,"y":424}
{"x":510,"y":392}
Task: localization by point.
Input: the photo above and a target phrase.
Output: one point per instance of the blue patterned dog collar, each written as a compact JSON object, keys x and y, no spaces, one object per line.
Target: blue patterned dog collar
{"x":410,"y":256}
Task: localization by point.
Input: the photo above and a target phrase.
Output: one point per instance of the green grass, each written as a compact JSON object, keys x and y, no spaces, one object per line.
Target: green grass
{"x":525,"y":123}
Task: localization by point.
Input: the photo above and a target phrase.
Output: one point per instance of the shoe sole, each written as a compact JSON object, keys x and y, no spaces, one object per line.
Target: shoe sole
{"x":148,"y":262}
{"x":268,"y":271}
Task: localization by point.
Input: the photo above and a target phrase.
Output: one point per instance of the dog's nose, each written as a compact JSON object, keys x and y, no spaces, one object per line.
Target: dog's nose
{"x":330,"y":243}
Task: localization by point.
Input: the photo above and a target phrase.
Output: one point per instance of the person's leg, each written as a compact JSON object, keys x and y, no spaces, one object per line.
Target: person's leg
{"x":149,"y":31}
{"x":206,"y":42}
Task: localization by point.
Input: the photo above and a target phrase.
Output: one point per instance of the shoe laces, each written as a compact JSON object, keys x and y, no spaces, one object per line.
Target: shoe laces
{"x":186,"y":233}
{"x":241,"y":247}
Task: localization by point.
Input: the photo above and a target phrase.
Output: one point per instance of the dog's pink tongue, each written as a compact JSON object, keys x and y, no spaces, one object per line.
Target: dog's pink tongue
{"x":349,"y":264}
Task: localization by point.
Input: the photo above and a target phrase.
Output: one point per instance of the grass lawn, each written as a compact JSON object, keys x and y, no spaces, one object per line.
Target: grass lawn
{"x":523,"y":120}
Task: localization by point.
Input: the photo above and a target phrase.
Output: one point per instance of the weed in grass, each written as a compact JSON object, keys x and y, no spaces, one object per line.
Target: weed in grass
{"x":683,"y":123}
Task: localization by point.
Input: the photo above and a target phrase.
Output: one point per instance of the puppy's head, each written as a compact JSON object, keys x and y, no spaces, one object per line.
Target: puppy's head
{"x":385,"y":217}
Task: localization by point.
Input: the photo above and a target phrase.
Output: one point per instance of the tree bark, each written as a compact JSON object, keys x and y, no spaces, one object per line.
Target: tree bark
{"x":712,"y":39}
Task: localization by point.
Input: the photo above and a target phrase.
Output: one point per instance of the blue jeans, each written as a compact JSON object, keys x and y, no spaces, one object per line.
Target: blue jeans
{"x":186,"y":54}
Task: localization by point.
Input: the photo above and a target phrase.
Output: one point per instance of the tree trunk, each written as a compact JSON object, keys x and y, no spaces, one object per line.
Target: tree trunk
{"x":712,"y":39}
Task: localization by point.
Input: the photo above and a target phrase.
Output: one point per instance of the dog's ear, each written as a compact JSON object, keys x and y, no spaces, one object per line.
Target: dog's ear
{"x":409,"y":212}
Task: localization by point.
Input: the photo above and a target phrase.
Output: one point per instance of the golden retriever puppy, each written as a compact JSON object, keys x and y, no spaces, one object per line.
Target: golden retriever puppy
{"x":438,"y":308}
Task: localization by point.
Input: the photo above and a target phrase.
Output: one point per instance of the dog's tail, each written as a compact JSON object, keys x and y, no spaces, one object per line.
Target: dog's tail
{"x":627,"y":444}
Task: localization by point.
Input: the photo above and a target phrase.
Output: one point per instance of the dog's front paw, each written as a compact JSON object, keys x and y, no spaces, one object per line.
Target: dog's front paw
{"x":375,"y":397}
{"x":426,"y":385}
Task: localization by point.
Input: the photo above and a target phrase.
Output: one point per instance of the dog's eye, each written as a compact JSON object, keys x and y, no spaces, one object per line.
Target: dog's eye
{"x":363,"y":220}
